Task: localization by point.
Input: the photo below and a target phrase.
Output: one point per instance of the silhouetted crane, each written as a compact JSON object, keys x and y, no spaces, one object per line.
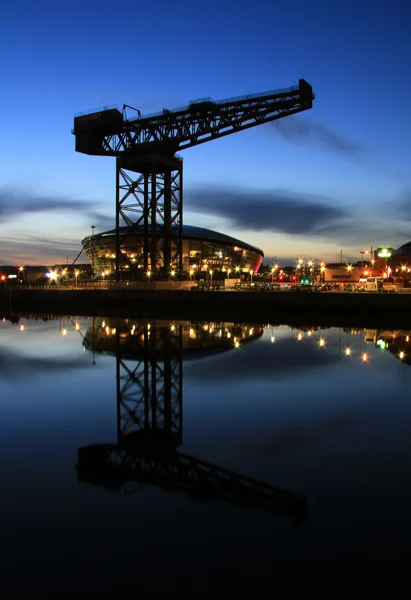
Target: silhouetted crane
{"x":152,"y":201}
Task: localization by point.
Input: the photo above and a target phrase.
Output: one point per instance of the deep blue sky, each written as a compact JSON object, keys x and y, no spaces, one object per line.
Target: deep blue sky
{"x":333,"y":178}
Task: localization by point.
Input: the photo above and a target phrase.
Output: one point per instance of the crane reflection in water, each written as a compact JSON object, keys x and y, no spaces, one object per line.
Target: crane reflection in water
{"x":149,"y":375}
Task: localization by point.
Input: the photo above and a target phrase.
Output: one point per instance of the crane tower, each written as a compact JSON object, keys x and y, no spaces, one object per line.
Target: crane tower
{"x":149,"y":173}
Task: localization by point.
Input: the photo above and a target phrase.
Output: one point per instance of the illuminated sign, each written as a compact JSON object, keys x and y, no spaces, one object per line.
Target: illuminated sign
{"x":384,"y":253}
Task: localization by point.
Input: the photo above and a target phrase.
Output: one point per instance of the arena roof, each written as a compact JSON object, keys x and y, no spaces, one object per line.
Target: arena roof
{"x":190,"y":232}
{"x":405,"y":249}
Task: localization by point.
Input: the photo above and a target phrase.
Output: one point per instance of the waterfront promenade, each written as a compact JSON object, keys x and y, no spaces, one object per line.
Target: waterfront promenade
{"x":270,"y":307}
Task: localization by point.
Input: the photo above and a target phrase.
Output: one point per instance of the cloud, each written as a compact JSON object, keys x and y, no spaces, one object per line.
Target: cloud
{"x":314,"y":133}
{"x":263,"y":210}
{"x":12,"y":363}
{"x":17,"y":202}
{"x":34,"y":249}
{"x":28,"y":248}
{"x":403,"y":204}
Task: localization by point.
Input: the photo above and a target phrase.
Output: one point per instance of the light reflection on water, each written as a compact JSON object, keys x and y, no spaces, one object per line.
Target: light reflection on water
{"x":322,"y":413}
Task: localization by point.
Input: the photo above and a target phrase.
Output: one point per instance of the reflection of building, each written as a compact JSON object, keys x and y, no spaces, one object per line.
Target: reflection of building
{"x":199,"y":338}
{"x":398,"y":342}
{"x":202,"y":250}
{"x":149,"y":360}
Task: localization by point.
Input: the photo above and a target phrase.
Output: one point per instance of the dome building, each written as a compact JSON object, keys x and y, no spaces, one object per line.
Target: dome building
{"x":203,"y":250}
{"x":401,"y":258}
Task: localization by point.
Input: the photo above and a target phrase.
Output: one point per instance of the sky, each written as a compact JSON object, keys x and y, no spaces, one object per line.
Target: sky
{"x":331,"y":179}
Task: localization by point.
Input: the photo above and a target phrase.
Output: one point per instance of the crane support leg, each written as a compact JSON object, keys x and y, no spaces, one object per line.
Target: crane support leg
{"x":149,"y":200}
{"x":149,"y":390}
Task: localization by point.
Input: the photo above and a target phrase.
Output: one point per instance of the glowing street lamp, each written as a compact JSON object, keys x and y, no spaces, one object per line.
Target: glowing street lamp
{"x":228,"y":273}
{"x":251,"y":276}
{"x":211,"y":276}
{"x":76,"y":274}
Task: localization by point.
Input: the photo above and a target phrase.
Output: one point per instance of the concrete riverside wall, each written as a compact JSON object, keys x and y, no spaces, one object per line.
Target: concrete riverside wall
{"x":248,"y":306}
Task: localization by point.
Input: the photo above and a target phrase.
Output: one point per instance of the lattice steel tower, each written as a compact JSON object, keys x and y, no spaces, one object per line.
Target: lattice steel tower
{"x":149,"y":174}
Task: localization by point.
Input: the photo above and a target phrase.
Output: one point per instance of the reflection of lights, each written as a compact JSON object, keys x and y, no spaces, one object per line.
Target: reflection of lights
{"x":407,"y":339}
{"x":64,"y":332}
{"x":172,"y":327}
{"x":103,"y":324}
{"x":299,"y":337}
{"x":236,"y":344}
{"x":364,"y":357}
{"x":21,"y":327}
{"x":77,"y":326}
{"x":321,"y":342}
{"x":272,"y":339}
{"x":309,"y":333}
{"x":251,"y":331}
{"x":347,"y":351}
{"x":401,"y":355}
{"x":228,"y":334}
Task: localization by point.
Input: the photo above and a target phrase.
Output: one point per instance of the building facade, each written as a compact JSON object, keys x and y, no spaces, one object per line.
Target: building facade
{"x":203,"y":250}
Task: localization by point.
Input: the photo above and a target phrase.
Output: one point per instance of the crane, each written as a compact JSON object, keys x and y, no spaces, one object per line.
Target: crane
{"x":149,"y":173}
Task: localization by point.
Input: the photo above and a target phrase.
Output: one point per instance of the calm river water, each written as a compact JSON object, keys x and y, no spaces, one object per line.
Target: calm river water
{"x":168,"y":410}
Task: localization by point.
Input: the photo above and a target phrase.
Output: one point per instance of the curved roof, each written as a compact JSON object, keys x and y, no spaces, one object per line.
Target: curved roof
{"x":405,"y":249}
{"x":190,"y":232}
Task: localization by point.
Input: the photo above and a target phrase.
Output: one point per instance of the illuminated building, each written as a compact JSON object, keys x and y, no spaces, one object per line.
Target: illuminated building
{"x":203,"y":250}
{"x":400,"y":261}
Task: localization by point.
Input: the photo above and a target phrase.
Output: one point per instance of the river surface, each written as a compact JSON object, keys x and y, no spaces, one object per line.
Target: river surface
{"x":322,"y":413}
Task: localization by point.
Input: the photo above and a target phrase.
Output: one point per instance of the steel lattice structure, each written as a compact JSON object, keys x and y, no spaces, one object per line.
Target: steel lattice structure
{"x":149,"y":391}
{"x":149,"y":430}
{"x":147,"y":146}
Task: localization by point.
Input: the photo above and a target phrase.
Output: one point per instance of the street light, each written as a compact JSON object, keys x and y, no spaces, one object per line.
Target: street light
{"x":76,"y":274}
{"x":211,"y":277}
{"x":251,"y":276}
{"x":228,"y":273}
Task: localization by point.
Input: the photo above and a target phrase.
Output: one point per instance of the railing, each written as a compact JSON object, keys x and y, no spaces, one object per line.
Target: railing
{"x":187,"y":107}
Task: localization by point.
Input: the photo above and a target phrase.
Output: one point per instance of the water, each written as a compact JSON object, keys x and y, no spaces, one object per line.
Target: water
{"x":287,"y":407}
